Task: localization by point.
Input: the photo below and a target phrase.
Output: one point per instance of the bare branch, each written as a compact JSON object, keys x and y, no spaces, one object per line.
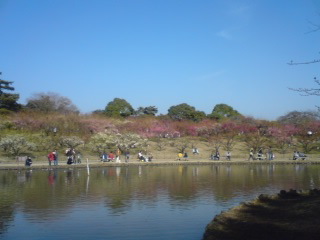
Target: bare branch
{"x":308,"y":62}
{"x":317,"y":28}
{"x":308,"y":91}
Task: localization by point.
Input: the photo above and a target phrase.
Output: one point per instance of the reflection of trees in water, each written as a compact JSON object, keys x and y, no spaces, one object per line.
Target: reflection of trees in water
{"x":6,"y":212}
{"x":52,"y":194}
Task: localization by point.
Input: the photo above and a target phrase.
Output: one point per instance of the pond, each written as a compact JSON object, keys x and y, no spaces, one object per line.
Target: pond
{"x":135,"y":202}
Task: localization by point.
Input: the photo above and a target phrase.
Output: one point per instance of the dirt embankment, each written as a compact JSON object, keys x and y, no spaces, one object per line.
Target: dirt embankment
{"x":288,"y":215}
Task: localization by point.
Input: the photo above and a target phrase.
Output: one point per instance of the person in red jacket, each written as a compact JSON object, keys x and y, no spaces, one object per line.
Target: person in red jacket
{"x":51,"y":158}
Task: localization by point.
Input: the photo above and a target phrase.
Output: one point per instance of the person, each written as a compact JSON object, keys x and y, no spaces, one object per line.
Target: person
{"x":111,"y":156}
{"x":251,"y":155}
{"x":270,"y":154}
{"x":140,"y":156}
{"x":28,"y":161}
{"x":127,"y":156}
{"x":118,"y":153}
{"x":51,"y":158}
{"x":79,"y":156}
{"x":217,"y":155}
{"x":185,"y":156}
{"x":150,"y":157}
{"x":69,"y":160}
{"x":70,"y":155}
{"x":180,"y":155}
{"x":104,"y":157}
{"x":55,"y":161}
{"x":195,"y":151}
{"x":228,"y":155}
{"x":260,"y":154}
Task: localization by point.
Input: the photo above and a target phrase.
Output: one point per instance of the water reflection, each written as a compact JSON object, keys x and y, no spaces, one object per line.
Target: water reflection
{"x":55,"y":194}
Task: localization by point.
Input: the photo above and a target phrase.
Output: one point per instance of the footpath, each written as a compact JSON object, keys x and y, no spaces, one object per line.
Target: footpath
{"x":6,"y":165}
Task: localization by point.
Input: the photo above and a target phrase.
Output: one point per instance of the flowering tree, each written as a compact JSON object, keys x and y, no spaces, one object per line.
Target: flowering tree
{"x":16,"y":144}
{"x":102,"y":142}
{"x":282,"y":137}
{"x":230,"y":133}
{"x":308,"y":136}
{"x":255,"y":137}
{"x":71,"y":142}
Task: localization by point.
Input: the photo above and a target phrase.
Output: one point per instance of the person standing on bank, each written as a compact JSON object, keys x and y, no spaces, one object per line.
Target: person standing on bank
{"x":51,"y":158}
{"x":55,"y":161}
{"x":251,"y":155}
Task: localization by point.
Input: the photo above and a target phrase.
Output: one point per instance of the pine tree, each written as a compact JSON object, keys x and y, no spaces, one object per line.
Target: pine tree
{"x":8,"y":101}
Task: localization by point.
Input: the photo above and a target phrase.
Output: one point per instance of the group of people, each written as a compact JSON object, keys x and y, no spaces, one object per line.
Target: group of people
{"x":53,"y":158}
{"x":183,"y":156}
{"x":73,"y":157}
{"x":111,"y":157}
{"x":260,"y":155}
{"x":145,"y":158}
{"x":216,"y":155}
{"x":297,"y":155}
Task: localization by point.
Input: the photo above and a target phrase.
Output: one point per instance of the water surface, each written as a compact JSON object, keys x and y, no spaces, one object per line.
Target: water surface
{"x":146,"y":202}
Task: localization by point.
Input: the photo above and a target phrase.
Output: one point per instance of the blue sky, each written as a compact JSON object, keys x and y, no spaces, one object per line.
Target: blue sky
{"x":163,"y":52}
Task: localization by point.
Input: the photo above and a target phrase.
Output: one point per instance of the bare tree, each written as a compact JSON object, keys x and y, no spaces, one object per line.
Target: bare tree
{"x":51,"y":102}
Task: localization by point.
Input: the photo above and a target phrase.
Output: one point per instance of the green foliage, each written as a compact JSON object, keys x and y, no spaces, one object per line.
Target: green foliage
{"x":151,"y":110}
{"x":119,"y":108}
{"x":185,"y":112}
{"x":5,"y":85}
{"x":8,"y":101}
{"x":16,"y":144}
{"x":222,"y":111}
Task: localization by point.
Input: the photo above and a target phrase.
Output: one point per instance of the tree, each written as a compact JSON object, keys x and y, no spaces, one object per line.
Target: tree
{"x":8,"y":101}
{"x":102,"y":142}
{"x":71,"y":142}
{"x":51,"y":102}
{"x":119,"y":108}
{"x":16,"y":144}
{"x":298,"y":118}
{"x":222,"y":111}
{"x":185,"y":112}
{"x":308,"y":91}
{"x":151,"y":110}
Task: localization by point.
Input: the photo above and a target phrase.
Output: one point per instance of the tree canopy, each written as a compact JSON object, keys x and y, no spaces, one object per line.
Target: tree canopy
{"x":297,"y":118}
{"x":51,"y":102}
{"x":221,"y":111}
{"x":8,"y":101}
{"x":119,"y":108}
{"x":151,"y":111}
{"x":185,"y":112}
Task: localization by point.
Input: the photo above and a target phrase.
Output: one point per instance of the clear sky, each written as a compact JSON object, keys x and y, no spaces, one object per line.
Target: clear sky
{"x":163,"y":52}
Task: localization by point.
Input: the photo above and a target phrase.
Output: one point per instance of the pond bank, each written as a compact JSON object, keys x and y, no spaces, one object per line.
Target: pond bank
{"x":159,"y":162}
{"x":287,"y":215}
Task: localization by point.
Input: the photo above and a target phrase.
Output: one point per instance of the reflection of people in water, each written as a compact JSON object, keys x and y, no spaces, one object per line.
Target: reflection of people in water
{"x":51,"y":178}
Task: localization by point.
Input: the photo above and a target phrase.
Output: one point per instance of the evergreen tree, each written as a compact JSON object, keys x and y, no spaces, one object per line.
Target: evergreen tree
{"x":185,"y":112}
{"x":119,"y":108}
{"x":8,"y":101}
